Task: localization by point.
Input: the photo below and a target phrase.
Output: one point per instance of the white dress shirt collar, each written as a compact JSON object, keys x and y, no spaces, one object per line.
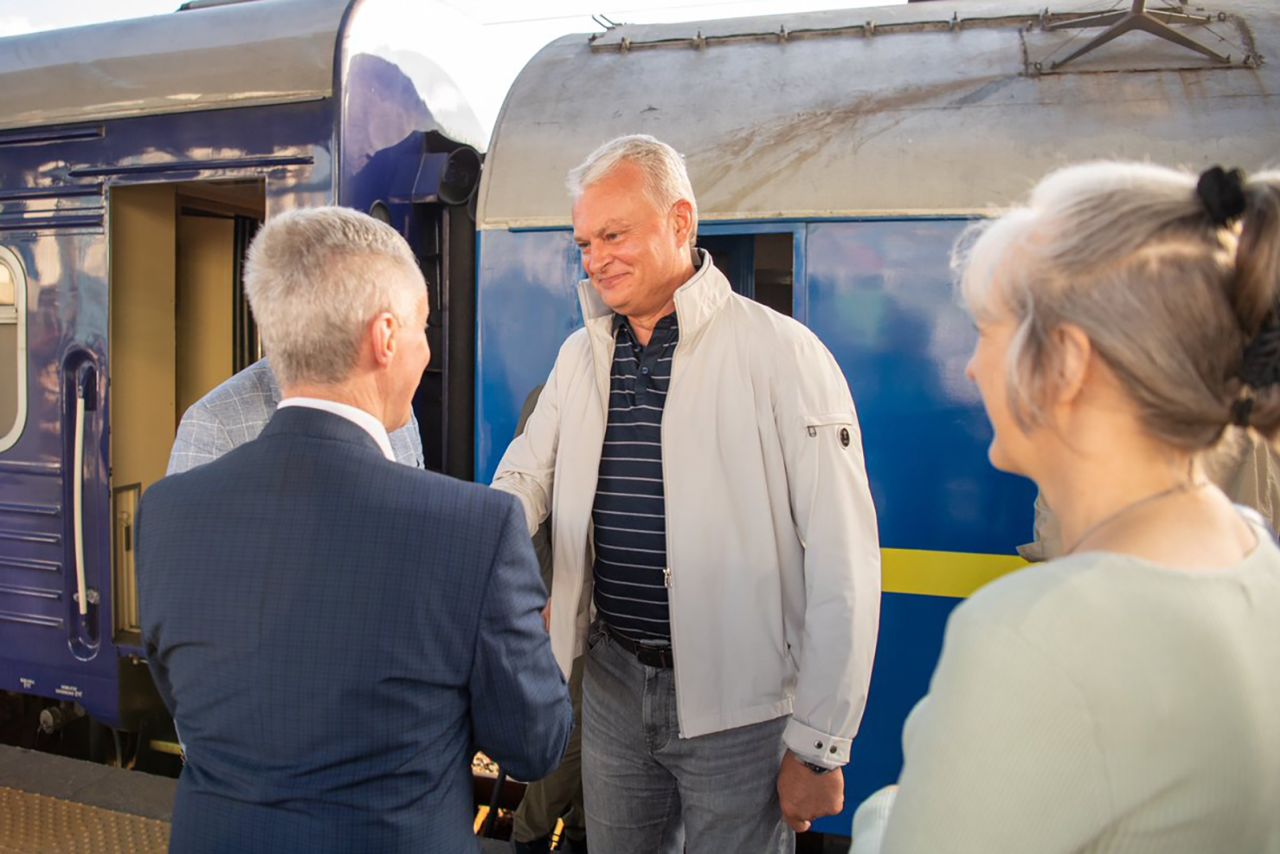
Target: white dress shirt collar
{"x":365,"y":420}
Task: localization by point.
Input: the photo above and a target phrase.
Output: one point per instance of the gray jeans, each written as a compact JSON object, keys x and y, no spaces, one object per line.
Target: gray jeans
{"x":645,"y":787}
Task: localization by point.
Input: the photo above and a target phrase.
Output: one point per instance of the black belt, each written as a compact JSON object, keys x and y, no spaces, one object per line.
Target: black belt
{"x":650,"y":656}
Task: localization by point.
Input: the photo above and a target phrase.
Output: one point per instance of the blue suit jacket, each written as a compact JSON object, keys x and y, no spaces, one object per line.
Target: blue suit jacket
{"x":334,"y":635}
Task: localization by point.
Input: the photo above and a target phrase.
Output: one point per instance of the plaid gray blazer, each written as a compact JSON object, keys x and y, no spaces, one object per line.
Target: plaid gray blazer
{"x":236,"y":411}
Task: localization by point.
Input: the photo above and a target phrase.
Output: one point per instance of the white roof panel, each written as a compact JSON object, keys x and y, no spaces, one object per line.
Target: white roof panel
{"x":244,"y":54}
{"x":933,"y":107}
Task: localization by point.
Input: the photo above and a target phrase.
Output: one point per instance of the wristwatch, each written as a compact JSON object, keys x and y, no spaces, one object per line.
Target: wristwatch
{"x":817,"y":769}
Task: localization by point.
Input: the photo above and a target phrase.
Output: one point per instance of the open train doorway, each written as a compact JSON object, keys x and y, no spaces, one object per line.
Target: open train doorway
{"x":179,"y":326}
{"x":759,"y":264}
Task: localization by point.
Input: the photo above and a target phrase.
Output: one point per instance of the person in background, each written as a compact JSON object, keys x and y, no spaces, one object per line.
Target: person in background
{"x":334,"y":633}
{"x":699,"y":457}
{"x":237,"y":410}
{"x":1123,"y":697}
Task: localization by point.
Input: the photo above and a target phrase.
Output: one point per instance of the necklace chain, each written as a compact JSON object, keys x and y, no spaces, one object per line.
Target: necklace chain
{"x":1176,"y":489}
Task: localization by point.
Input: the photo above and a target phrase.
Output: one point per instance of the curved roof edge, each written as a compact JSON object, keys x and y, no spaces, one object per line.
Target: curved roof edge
{"x":947,"y":106}
{"x":265,"y":52}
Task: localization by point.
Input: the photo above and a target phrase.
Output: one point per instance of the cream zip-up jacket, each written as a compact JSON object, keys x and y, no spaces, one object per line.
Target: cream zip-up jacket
{"x":772,"y":550}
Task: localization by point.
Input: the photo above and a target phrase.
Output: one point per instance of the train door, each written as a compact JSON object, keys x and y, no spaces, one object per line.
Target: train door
{"x":761,"y":262}
{"x":444,"y":241}
{"x":179,"y":326}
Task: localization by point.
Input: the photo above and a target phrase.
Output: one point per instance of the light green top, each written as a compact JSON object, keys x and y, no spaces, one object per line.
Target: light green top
{"x":1097,"y":703}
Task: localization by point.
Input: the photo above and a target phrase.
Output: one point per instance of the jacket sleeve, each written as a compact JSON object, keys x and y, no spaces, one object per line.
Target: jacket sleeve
{"x":150,"y":627}
{"x":520,"y":710}
{"x":201,"y":439}
{"x":527,"y":470}
{"x":836,"y":522}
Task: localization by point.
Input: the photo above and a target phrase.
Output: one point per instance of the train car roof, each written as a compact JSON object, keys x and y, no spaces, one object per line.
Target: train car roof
{"x":939,"y":107}
{"x":242,"y":54}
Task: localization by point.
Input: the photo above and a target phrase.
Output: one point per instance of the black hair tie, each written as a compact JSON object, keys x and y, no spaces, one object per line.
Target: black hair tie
{"x":1222,"y":194}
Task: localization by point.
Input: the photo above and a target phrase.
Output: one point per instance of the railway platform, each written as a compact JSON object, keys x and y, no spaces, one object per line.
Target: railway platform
{"x":54,"y":805}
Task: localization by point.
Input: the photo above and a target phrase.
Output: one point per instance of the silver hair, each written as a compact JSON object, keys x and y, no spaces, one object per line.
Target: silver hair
{"x":666,"y":179}
{"x":315,"y":277}
{"x":1168,"y":297}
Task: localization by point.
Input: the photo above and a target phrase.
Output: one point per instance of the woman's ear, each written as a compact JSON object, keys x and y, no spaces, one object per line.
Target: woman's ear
{"x":1074,"y":357}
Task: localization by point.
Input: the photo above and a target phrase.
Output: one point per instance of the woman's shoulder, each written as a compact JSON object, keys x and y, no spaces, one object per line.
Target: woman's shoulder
{"x":1021,"y":596}
{"x":1054,"y":606}
{"x":1098,"y":599}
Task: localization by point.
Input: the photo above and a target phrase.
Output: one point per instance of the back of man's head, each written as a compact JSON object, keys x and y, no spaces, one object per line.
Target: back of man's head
{"x":315,"y":277}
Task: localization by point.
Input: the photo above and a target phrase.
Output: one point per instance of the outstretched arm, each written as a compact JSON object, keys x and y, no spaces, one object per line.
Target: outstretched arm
{"x":520,"y":709}
{"x":527,"y":469}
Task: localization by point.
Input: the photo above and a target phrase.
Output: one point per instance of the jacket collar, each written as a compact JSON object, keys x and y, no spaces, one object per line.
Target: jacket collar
{"x":319,"y":424}
{"x":697,"y":300}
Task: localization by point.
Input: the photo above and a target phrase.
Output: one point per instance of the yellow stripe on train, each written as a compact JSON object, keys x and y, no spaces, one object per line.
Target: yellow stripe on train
{"x":953,"y":574}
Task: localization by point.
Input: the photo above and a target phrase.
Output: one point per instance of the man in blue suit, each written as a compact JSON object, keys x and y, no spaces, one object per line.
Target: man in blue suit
{"x":335,"y":633}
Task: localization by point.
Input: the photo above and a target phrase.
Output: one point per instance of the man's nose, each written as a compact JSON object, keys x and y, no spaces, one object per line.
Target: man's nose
{"x":596,"y":260}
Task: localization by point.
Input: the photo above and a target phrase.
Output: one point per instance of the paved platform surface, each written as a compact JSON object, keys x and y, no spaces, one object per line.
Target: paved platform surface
{"x":54,"y":805}
{"x":87,"y":783}
{"x":32,"y":823}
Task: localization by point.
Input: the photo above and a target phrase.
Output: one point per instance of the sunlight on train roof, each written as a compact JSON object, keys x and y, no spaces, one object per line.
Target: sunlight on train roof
{"x":935,"y":107}
{"x":245,"y":54}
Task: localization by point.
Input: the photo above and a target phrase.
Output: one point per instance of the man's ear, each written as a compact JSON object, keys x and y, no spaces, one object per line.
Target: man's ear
{"x":382,"y":337}
{"x":1074,"y":356}
{"x":682,"y":220}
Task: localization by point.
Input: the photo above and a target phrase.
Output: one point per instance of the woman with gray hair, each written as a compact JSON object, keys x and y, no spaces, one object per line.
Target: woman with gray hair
{"x":1125,"y":696}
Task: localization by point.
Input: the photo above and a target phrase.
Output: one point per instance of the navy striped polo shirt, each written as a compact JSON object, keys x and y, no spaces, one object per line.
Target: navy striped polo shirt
{"x":629,"y":515}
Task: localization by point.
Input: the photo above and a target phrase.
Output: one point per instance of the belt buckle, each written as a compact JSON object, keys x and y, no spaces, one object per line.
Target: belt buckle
{"x":652,"y":656}
{"x":649,"y":656}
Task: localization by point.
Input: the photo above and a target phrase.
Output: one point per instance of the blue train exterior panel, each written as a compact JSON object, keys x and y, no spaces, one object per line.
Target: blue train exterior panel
{"x":879,"y":295}
{"x":526,"y":305}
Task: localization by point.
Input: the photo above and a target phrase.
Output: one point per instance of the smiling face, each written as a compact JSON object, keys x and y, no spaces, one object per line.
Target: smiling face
{"x":635,"y":254}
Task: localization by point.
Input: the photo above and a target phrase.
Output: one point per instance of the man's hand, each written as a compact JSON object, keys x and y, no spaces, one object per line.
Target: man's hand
{"x":546,"y":617}
{"x":805,"y":795}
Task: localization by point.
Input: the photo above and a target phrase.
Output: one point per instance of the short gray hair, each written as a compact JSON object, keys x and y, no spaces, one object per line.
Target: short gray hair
{"x":315,"y":277}
{"x":666,"y":179}
{"x":1168,"y":296}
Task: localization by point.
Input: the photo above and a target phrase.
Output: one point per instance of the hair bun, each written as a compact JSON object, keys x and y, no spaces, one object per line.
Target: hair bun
{"x":1222,"y":193}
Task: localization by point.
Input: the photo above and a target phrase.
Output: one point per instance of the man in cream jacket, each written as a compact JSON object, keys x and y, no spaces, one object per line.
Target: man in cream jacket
{"x":716,"y":555}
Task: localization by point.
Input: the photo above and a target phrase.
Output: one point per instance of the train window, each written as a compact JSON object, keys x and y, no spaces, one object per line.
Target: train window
{"x":759,"y":266}
{"x":13,"y":349}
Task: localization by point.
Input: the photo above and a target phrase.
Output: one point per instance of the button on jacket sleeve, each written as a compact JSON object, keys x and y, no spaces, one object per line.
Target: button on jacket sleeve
{"x":836,"y":521}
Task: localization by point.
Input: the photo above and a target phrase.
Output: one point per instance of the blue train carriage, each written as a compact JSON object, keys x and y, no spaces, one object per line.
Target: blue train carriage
{"x":836,"y":157}
{"x":136,"y":160}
